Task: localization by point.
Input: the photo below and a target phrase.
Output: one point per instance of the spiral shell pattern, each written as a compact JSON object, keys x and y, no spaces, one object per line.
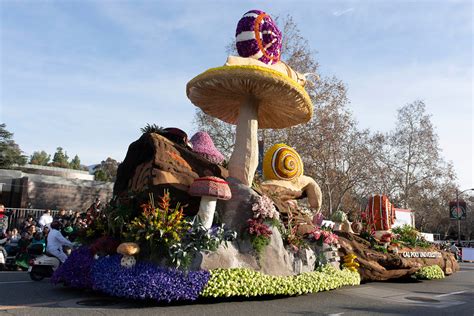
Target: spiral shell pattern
{"x":258,"y":37}
{"x":281,"y":162}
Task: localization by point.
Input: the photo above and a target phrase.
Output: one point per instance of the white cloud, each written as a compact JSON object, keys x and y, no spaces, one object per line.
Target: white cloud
{"x":342,"y":12}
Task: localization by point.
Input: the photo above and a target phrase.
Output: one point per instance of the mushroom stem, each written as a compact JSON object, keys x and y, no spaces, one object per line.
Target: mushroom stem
{"x":244,"y":160}
{"x":206,"y":210}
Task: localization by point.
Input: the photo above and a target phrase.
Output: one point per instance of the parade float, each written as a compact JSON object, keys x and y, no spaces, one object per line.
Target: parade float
{"x":182,"y":226}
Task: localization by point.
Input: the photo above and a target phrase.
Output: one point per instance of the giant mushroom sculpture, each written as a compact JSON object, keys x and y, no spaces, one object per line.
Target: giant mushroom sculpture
{"x":249,"y":95}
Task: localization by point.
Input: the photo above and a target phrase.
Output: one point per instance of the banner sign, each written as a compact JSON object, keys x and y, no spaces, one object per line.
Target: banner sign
{"x":421,"y":254}
{"x":456,"y":212}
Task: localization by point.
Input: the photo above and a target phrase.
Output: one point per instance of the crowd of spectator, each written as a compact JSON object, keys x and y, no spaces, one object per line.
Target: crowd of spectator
{"x":31,"y":231}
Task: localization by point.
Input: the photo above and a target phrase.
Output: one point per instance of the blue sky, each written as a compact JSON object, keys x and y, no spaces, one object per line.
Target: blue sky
{"x":86,"y":75}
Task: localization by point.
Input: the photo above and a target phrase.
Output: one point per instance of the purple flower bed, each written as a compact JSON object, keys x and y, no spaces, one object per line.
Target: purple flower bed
{"x":146,"y":281}
{"x":75,"y":272}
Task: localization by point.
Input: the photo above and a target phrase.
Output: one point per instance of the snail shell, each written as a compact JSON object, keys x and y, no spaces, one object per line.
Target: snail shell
{"x":281,"y":162}
{"x":258,"y":37}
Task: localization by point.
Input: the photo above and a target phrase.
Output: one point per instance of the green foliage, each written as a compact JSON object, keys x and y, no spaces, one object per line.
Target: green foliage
{"x":197,"y":239}
{"x":151,"y":128}
{"x":96,"y":227}
{"x":159,"y":227}
{"x":118,"y":212}
{"x":379,"y":248}
{"x":339,"y":216}
{"x":40,"y":158}
{"x":259,"y":243}
{"x":410,"y":236}
{"x":107,"y":170}
{"x":60,"y":159}
{"x":101,"y":175}
{"x":247,"y":282}
{"x":430,"y":273}
{"x":75,"y":163}
{"x":10,"y":153}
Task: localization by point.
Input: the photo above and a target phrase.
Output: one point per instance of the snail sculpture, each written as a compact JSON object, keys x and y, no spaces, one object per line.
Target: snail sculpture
{"x":283,"y":170}
{"x":258,"y":37}
{"x":281,"y":162}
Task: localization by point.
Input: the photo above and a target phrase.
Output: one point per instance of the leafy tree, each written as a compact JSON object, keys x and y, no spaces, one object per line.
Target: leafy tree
{"x":60,"y":159}
{"x":106,"y":170}
{"x":10,"y":152}
{"x":75,"y":163}
{"x":40,"y":158}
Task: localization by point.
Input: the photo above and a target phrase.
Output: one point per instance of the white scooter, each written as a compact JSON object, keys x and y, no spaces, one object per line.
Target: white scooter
{"x":44,"y":265}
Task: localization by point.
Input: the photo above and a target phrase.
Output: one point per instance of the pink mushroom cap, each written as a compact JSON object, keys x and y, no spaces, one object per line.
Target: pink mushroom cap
{"x":210,"y":186}
{"x":203,"y":145}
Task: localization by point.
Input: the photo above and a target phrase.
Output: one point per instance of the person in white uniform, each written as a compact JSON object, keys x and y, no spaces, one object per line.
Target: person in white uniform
{"x":46,"y":219}
{"x":56,"y":241}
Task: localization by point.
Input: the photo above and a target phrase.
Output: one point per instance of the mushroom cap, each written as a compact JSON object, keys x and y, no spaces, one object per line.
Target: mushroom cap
{"x":203,"y":145}
{"x":219,"y":92}
{"x":128,"y":249}
{"x":210,"y":186}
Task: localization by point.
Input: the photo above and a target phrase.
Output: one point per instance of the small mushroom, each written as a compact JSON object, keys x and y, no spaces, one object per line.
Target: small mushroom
{"x":210,"y":189}
{"x":128,"y":250}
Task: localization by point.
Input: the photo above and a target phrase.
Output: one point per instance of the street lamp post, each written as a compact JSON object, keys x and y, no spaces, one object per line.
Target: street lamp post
{"x":457,"y":210}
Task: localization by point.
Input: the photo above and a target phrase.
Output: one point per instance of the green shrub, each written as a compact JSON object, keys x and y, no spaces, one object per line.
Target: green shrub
{"x":410,"y":236}
{"x":339,"y":217}
{"x":430,"y":273}
{"x":247,"y":282}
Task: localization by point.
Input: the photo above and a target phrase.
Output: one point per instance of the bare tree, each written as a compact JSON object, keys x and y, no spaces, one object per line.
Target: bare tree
{"x":414,"y":156}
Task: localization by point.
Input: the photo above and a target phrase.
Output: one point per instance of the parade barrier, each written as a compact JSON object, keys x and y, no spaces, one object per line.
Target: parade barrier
{"x":18,"y":215}
{"x":467,"y":254}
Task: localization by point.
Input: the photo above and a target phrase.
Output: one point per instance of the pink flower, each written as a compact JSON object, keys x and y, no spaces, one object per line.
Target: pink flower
{"x":317,"y":234}
{"x":331,"y":239}
{"x":318,"y":219}
{"x":258,"y":228}
{"x":264,"y":208}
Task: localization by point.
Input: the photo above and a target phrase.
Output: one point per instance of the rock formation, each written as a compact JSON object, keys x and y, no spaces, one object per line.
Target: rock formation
{"x":154,"y":163}
{"x":378,"y":266}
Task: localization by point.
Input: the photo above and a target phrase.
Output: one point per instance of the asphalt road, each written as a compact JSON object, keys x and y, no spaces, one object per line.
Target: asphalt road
{"x":453,"y":295}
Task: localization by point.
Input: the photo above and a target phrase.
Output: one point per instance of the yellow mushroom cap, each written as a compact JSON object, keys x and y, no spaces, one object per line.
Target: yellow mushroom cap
{"x":219,"y":92}
{"x":128,"y":249}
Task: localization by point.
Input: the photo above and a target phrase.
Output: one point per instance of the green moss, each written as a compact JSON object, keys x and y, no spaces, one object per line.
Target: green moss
{"x":247,"y":282}
{"x":430,"y":273}
{"x":259,"y":243}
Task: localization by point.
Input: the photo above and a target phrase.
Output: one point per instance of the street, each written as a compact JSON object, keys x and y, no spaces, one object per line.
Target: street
{"x":453,"y":295}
